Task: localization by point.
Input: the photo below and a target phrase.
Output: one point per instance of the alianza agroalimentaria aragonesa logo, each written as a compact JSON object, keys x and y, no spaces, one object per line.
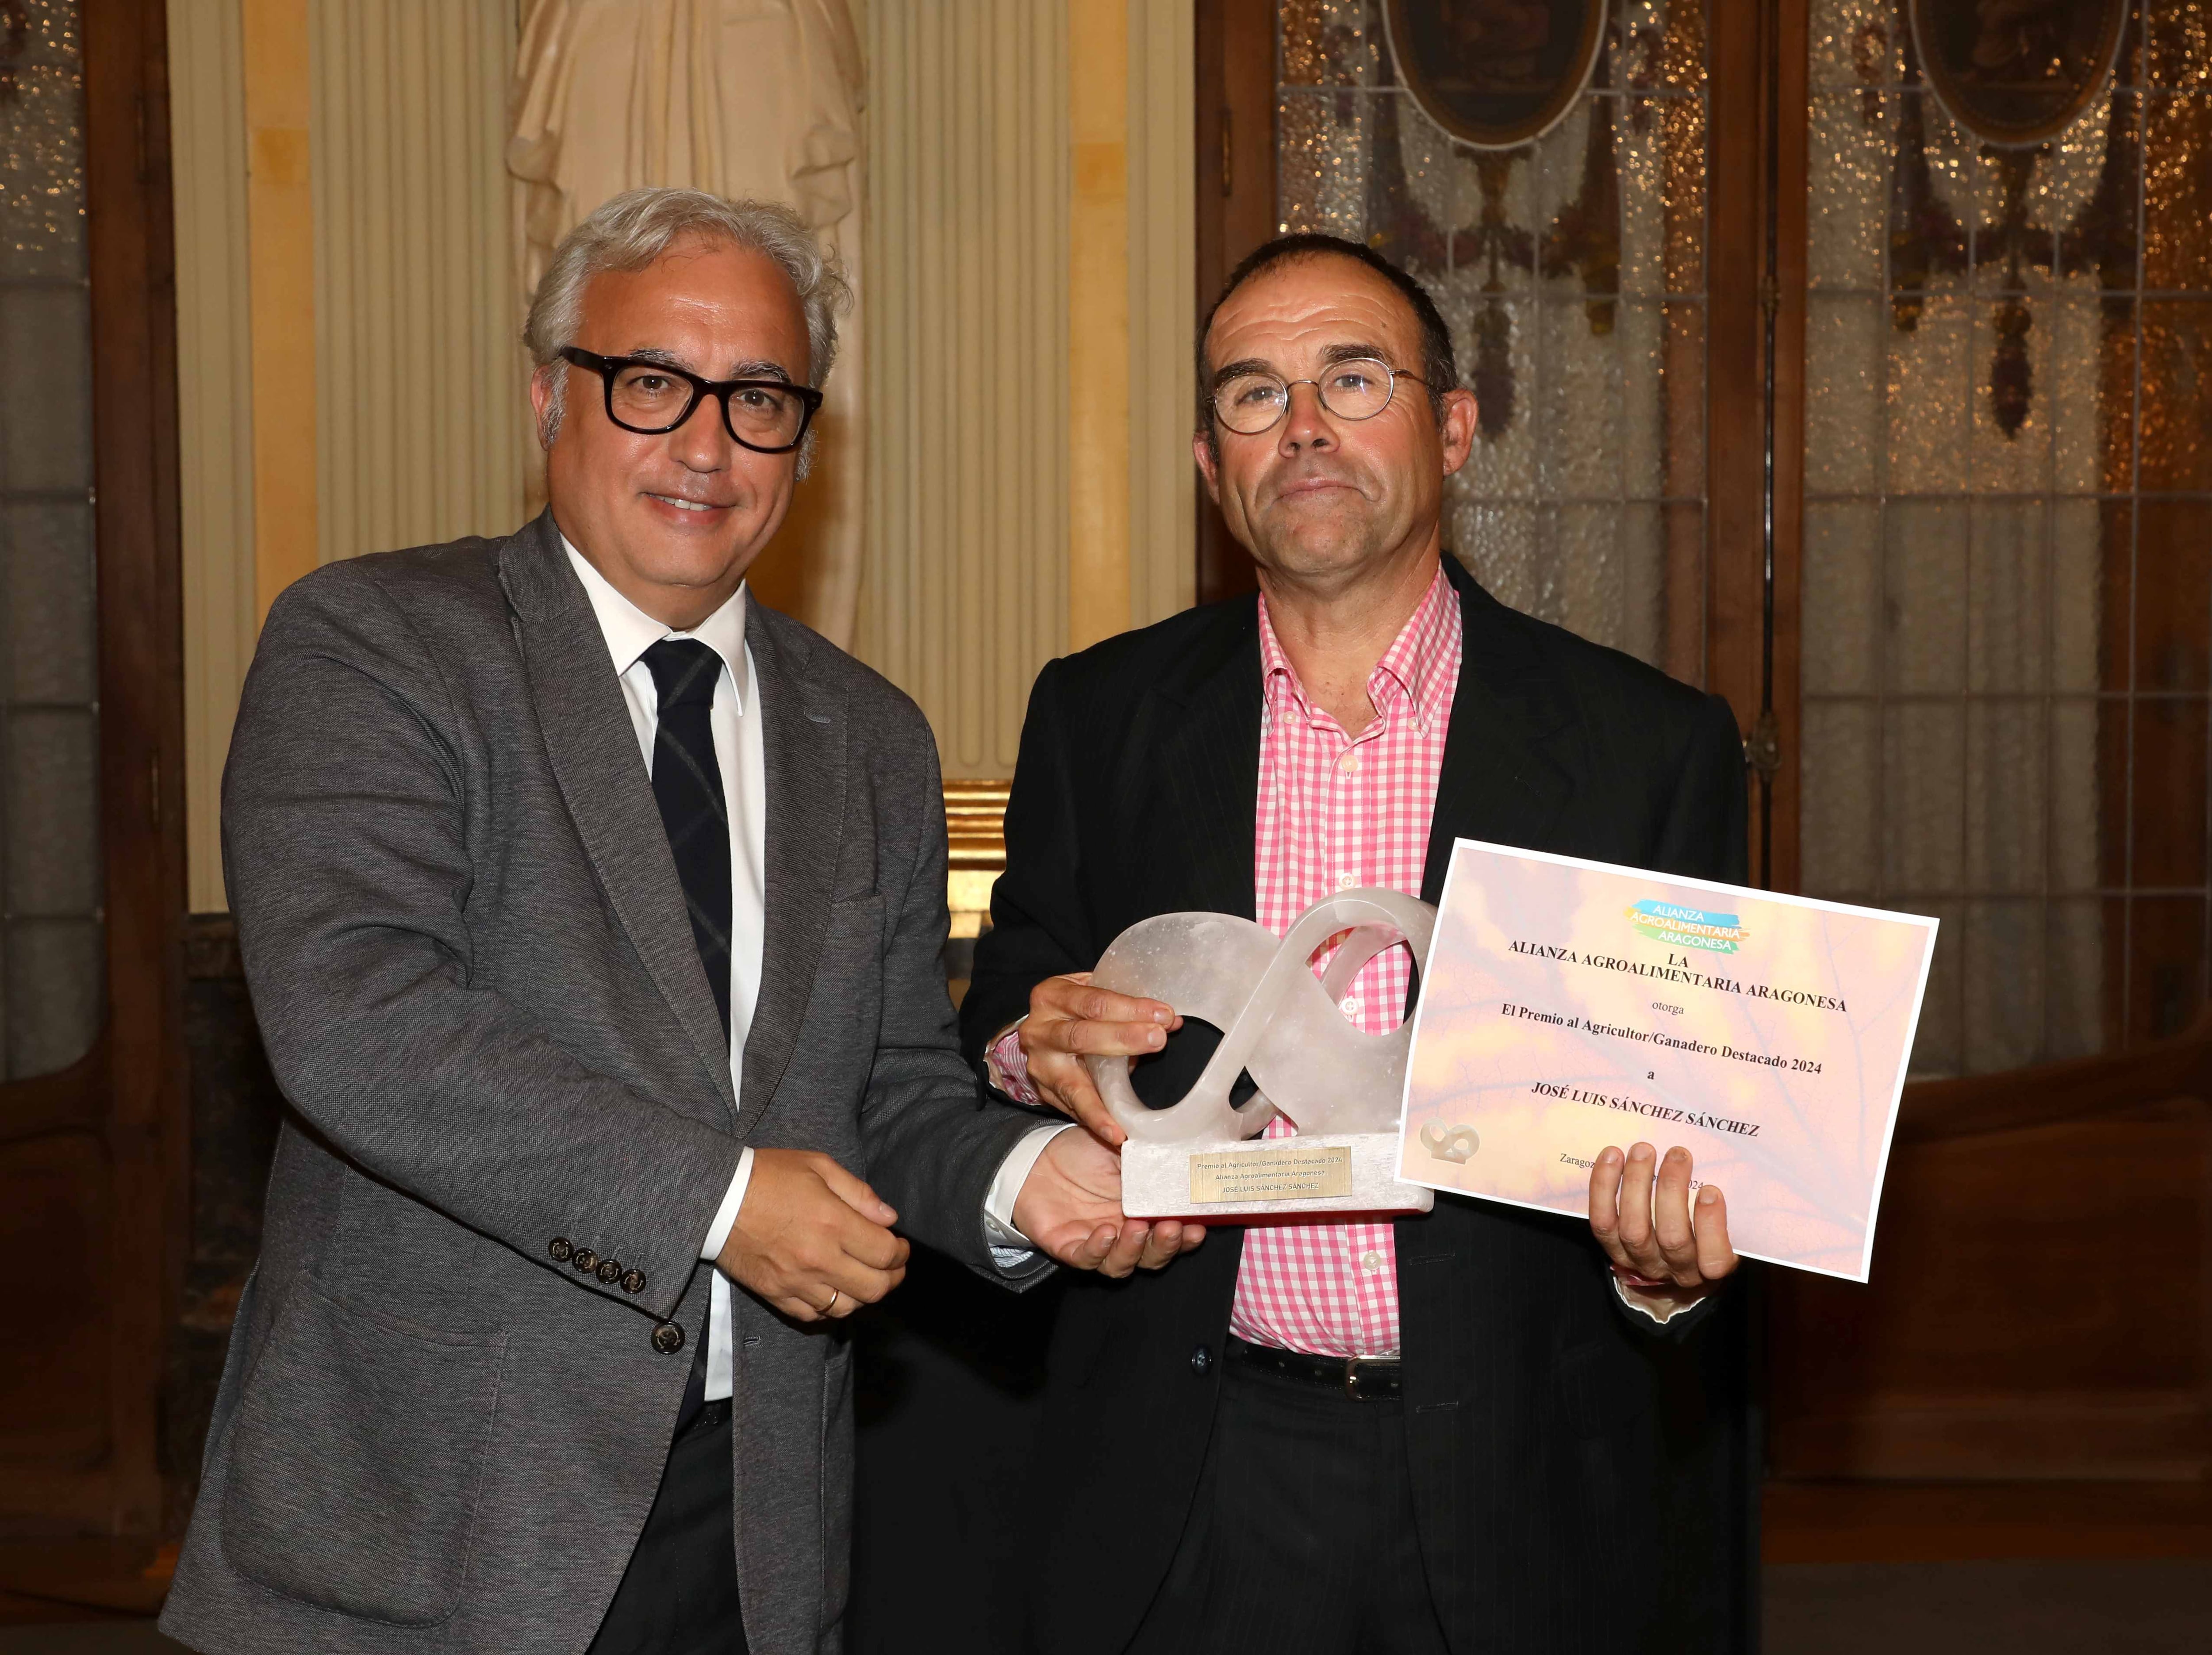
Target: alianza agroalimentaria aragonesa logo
{"x":1689,"y":928}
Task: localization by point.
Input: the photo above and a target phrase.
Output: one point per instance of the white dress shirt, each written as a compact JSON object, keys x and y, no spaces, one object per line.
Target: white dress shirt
{"x":735,"y":720}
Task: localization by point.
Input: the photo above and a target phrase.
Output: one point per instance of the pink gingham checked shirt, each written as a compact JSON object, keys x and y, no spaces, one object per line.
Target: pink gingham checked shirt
{"x":1336,"y":812}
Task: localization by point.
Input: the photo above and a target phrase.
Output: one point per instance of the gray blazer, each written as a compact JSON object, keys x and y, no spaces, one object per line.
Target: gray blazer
{"x":472,"y":966}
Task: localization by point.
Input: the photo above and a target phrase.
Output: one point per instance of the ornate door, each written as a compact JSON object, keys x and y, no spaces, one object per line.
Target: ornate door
{"x":2006,"y":663}
{"x":2008,"y":507}
{"x":1854,"y":358}
{"x":91,"y":887}
{"x":1990,"y":646}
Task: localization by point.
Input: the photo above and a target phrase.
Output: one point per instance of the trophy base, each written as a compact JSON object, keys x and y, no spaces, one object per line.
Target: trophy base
{"x":1339,"y":1172}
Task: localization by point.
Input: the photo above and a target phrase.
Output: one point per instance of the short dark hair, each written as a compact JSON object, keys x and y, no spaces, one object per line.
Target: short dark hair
{"x":1439,"y":368}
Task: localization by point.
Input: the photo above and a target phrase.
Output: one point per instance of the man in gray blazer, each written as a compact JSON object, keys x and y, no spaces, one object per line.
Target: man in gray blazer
{"x":592,"y":916}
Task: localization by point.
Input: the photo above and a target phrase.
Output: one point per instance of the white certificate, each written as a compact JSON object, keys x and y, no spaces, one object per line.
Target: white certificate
{"x":1569,"y":1005}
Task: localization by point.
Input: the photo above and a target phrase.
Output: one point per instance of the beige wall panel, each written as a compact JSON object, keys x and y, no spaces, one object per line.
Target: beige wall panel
{"x":1099,"y":290}
{"x":423,"y":431}
{"x":1162,"y":305}
{"x":214,"y":428}
{"x":280,"y":221}
{"x":965,"y":595}
{"x":421,"y":425}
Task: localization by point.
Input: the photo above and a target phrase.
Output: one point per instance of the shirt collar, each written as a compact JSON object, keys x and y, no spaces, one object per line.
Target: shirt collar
{"x":1421,"y":666}
{"x":1423,"y":659}
{"x":630,"y":631}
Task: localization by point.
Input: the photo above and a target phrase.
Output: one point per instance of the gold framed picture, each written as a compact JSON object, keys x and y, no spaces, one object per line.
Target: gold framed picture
{"x":1495,"y":74}
{"x":2017,"y":72}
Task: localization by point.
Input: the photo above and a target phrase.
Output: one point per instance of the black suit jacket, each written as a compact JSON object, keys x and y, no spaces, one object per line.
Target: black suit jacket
{"x":1581,"y":1474}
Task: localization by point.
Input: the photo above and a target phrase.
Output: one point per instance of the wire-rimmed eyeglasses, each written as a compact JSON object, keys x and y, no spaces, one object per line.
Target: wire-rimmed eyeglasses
{"x":769,"y":417}
{"x":1358,"y":389}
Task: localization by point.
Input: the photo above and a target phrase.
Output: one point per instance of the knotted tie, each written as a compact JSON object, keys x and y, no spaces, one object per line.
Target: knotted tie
{"x":687,"y":785}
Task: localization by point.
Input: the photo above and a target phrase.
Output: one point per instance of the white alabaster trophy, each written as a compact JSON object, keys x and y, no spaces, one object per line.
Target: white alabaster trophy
{"x":1201,"y":1157}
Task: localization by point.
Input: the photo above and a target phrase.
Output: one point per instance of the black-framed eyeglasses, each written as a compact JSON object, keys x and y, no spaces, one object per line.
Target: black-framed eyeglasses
{"x":1360,"y":388}
{"x":769,"y":417}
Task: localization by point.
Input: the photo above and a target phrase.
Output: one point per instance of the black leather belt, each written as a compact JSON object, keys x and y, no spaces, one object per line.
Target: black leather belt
{"x":1363,"y":1379}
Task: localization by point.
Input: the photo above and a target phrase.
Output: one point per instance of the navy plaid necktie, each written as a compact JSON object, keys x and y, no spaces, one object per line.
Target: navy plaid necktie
{"x":687,"y":785}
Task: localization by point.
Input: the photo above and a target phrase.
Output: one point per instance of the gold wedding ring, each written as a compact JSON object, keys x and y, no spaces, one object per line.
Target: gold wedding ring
{"x":834,"y":1296}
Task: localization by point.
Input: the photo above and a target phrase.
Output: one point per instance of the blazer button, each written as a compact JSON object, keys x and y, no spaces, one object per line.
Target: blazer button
{"x":585,"y":1260}
{"x":633,"y":1280}
{"x":560,"y":1249}
{"x":1200,"y":1359}
{"x":610,"y":1271}
{"x":668,"y":1338}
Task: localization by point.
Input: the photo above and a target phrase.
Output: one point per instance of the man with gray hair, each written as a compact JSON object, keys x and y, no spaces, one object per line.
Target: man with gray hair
{"x":592,"y":915}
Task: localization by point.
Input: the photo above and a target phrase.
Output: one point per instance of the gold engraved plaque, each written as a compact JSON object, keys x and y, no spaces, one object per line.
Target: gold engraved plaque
{"x":1293,"y":1173}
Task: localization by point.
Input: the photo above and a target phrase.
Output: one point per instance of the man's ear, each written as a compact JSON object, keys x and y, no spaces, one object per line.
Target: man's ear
{"x":1459,"y":428}
{"x":1209,"y":462}
{"x":541,"y":398}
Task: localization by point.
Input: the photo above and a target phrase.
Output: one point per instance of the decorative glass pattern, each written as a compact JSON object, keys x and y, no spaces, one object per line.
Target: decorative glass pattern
{"x":51,"y":960}
{"x":1572,"y":272}
{"x":2008,"y":563}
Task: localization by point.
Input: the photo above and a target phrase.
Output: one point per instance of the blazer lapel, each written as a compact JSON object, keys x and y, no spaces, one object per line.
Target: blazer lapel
{"x":1208,"y":757}
{"x":604,"y":780}
{"x":803,"y":741}
{"x":1499,"y":782}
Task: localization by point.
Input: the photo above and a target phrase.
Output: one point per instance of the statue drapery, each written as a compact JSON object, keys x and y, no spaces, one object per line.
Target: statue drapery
{"x":757,"y":99}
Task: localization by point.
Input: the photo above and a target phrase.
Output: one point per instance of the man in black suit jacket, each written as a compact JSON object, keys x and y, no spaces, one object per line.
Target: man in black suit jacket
{"x":1551,"y":1456}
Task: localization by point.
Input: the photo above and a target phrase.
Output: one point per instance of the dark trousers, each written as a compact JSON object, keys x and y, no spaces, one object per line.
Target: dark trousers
{"x":1301,"y":1539}
{"x":948,"y":1389}
{"x":679,"y":1594}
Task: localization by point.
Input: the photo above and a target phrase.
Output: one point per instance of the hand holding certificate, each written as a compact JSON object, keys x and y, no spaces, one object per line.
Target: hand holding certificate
{"x":1571,"y":1006}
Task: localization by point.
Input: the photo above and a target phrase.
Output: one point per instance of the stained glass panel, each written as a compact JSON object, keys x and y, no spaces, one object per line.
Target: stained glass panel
{"x":2007,"y":598}
{"x":1572,"y":271}
{"x":50,"y":955}
{"x":2008,"y":379}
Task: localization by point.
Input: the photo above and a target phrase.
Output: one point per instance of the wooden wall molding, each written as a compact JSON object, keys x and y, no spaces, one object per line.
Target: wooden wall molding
{"x":976,"y":828}
{"x":2041,"y":1305}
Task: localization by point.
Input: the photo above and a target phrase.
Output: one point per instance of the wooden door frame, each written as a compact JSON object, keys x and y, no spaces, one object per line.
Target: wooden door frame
{"x":1234,"y":77}
{"x":137,"y":523}
{"x":1755,"y":264}
{"x":128,"y":1092}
